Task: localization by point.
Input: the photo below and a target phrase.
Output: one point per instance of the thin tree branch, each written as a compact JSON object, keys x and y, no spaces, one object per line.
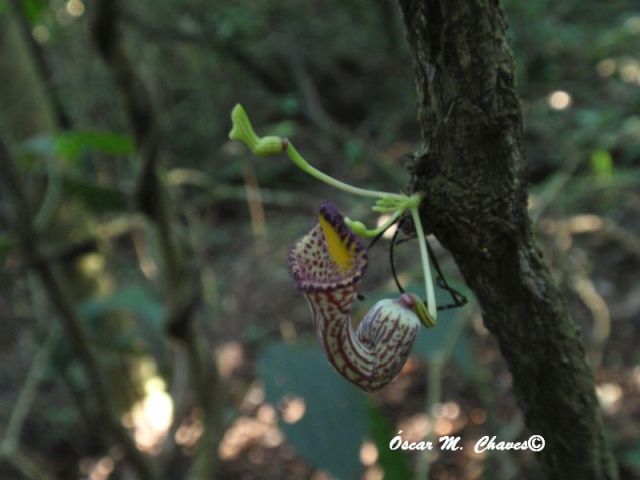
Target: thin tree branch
{"x":27,"y":467}
{"x":297,"y":78}
{"x":10,"y":446}
{"x":22,"y":219}
{"x":181,"y":286}
{"x":28,"y":393}
{"x":263,"y":75}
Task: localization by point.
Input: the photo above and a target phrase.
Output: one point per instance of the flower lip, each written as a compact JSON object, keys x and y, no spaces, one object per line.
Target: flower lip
{"x":330,"y":256}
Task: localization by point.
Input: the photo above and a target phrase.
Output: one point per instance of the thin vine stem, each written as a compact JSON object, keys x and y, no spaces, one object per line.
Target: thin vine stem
{"x":299,"y":160}
{"x":426,"y":268}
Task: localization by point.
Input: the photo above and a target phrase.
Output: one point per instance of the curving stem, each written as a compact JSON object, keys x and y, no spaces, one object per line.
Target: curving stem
{"x":265,"y":146}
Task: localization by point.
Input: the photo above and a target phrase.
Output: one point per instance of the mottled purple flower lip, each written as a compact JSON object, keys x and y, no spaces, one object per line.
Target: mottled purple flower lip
{"x":330,"y":256}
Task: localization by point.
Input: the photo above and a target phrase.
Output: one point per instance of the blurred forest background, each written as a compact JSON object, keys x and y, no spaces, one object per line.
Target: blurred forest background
{"x":152,"y":295}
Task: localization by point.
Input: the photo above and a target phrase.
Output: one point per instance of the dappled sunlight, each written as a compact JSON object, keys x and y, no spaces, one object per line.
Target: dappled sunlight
{"x":632,"y":24}
{"x":146,"y":253}
{"x":151,"y":417}
{"x":97,"y":469}
{"x":559,"y":100}
{"x":292,"y":408}
{"x":229,"y":356}
{"x":41,"y":34}
{"x":190,"y":431}
{"x":321,"y":475}
{"x":75,"y":8}
{"x":93,"y":265}
{"x":416,"y":427}
{"x":635,"y":375}
{"x":448,"y":418}
{"x":606,"y":67}
{"x":252,"y":398}
{"x":373,"y":473}
{"x":368,"y":454}
{"x":609,"y":395}
{"x":478,"y":416}
{"x":450,"y":410}
{"x":630,"y":70}
{"x":389,"y":232}
{"x":246,"y":431}
{"x":443,"y":426}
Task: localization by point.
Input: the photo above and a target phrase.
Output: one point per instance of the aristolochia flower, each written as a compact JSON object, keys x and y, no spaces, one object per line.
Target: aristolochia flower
{"x":327,"y":265}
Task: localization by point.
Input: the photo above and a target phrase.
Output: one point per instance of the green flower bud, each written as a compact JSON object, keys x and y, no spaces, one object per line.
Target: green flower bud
{"x":270,"y":146}
{"x":242,"y":129}
{"x":356,"y":227}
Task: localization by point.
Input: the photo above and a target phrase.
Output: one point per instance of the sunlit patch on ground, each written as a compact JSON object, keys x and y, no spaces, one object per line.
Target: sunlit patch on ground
{"x":245,"y":431}
{"x":292,"y":408}
{"x":368,"y":454}
{"x":151,"y":417}
{"x":229,"y":356}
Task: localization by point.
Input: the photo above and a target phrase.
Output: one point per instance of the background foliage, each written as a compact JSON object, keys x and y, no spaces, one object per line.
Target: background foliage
{"x":336,"y":77}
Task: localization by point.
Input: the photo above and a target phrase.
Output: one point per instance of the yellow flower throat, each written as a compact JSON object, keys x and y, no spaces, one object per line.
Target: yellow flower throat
{"x":339,"y":252}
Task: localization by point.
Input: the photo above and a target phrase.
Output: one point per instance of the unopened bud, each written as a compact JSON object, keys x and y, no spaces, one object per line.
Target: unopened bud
{"x":271,"y":145}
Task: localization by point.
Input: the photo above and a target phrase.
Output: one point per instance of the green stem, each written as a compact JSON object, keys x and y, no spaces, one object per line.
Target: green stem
{"x":426,"y":268}
{"x":295,"y":156}
{"x":360,"y":229}
{"x":435,"y":372}
{"x":243,"y":131}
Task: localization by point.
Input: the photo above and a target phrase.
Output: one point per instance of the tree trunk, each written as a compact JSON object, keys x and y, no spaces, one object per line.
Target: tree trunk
{"x":472,"y":171}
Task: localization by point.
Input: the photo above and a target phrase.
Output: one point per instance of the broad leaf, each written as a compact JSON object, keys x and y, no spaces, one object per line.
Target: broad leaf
{"x":393,"y":462}
{"x":96,"y":198}
{"x":331,"y":432}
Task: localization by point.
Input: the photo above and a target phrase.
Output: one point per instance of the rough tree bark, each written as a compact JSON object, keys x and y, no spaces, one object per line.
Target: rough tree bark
{"x":472,"y":170}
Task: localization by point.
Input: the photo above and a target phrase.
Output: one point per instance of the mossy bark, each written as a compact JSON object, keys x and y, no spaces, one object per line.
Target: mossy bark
{"x":472,"y":171}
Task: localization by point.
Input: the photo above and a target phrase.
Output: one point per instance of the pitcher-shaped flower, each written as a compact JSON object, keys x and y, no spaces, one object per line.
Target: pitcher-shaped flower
{"x":327,"y":265}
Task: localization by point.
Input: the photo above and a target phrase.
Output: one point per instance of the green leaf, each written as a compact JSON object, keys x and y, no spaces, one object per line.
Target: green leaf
{"x":602,"y":164}
{"x":134,"y":299}
{"x":631,"y":459}
{"x":96,"y":198}
{"x":393,"y":462}
{"x":464,"y":356}
{"x":6,"y":245}
{"x":331,"y":432}
{"x":354,"y":150}
{"x":430,"y":341}
{"x":33,"y":10}
{"x":70,"y":146}
{"x":137,"y":301}
{"x":290,"y":105}
{"x":286,"y":129}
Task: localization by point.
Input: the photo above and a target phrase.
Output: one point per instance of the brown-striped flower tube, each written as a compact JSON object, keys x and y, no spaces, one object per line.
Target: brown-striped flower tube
{"x":327,"y":265}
